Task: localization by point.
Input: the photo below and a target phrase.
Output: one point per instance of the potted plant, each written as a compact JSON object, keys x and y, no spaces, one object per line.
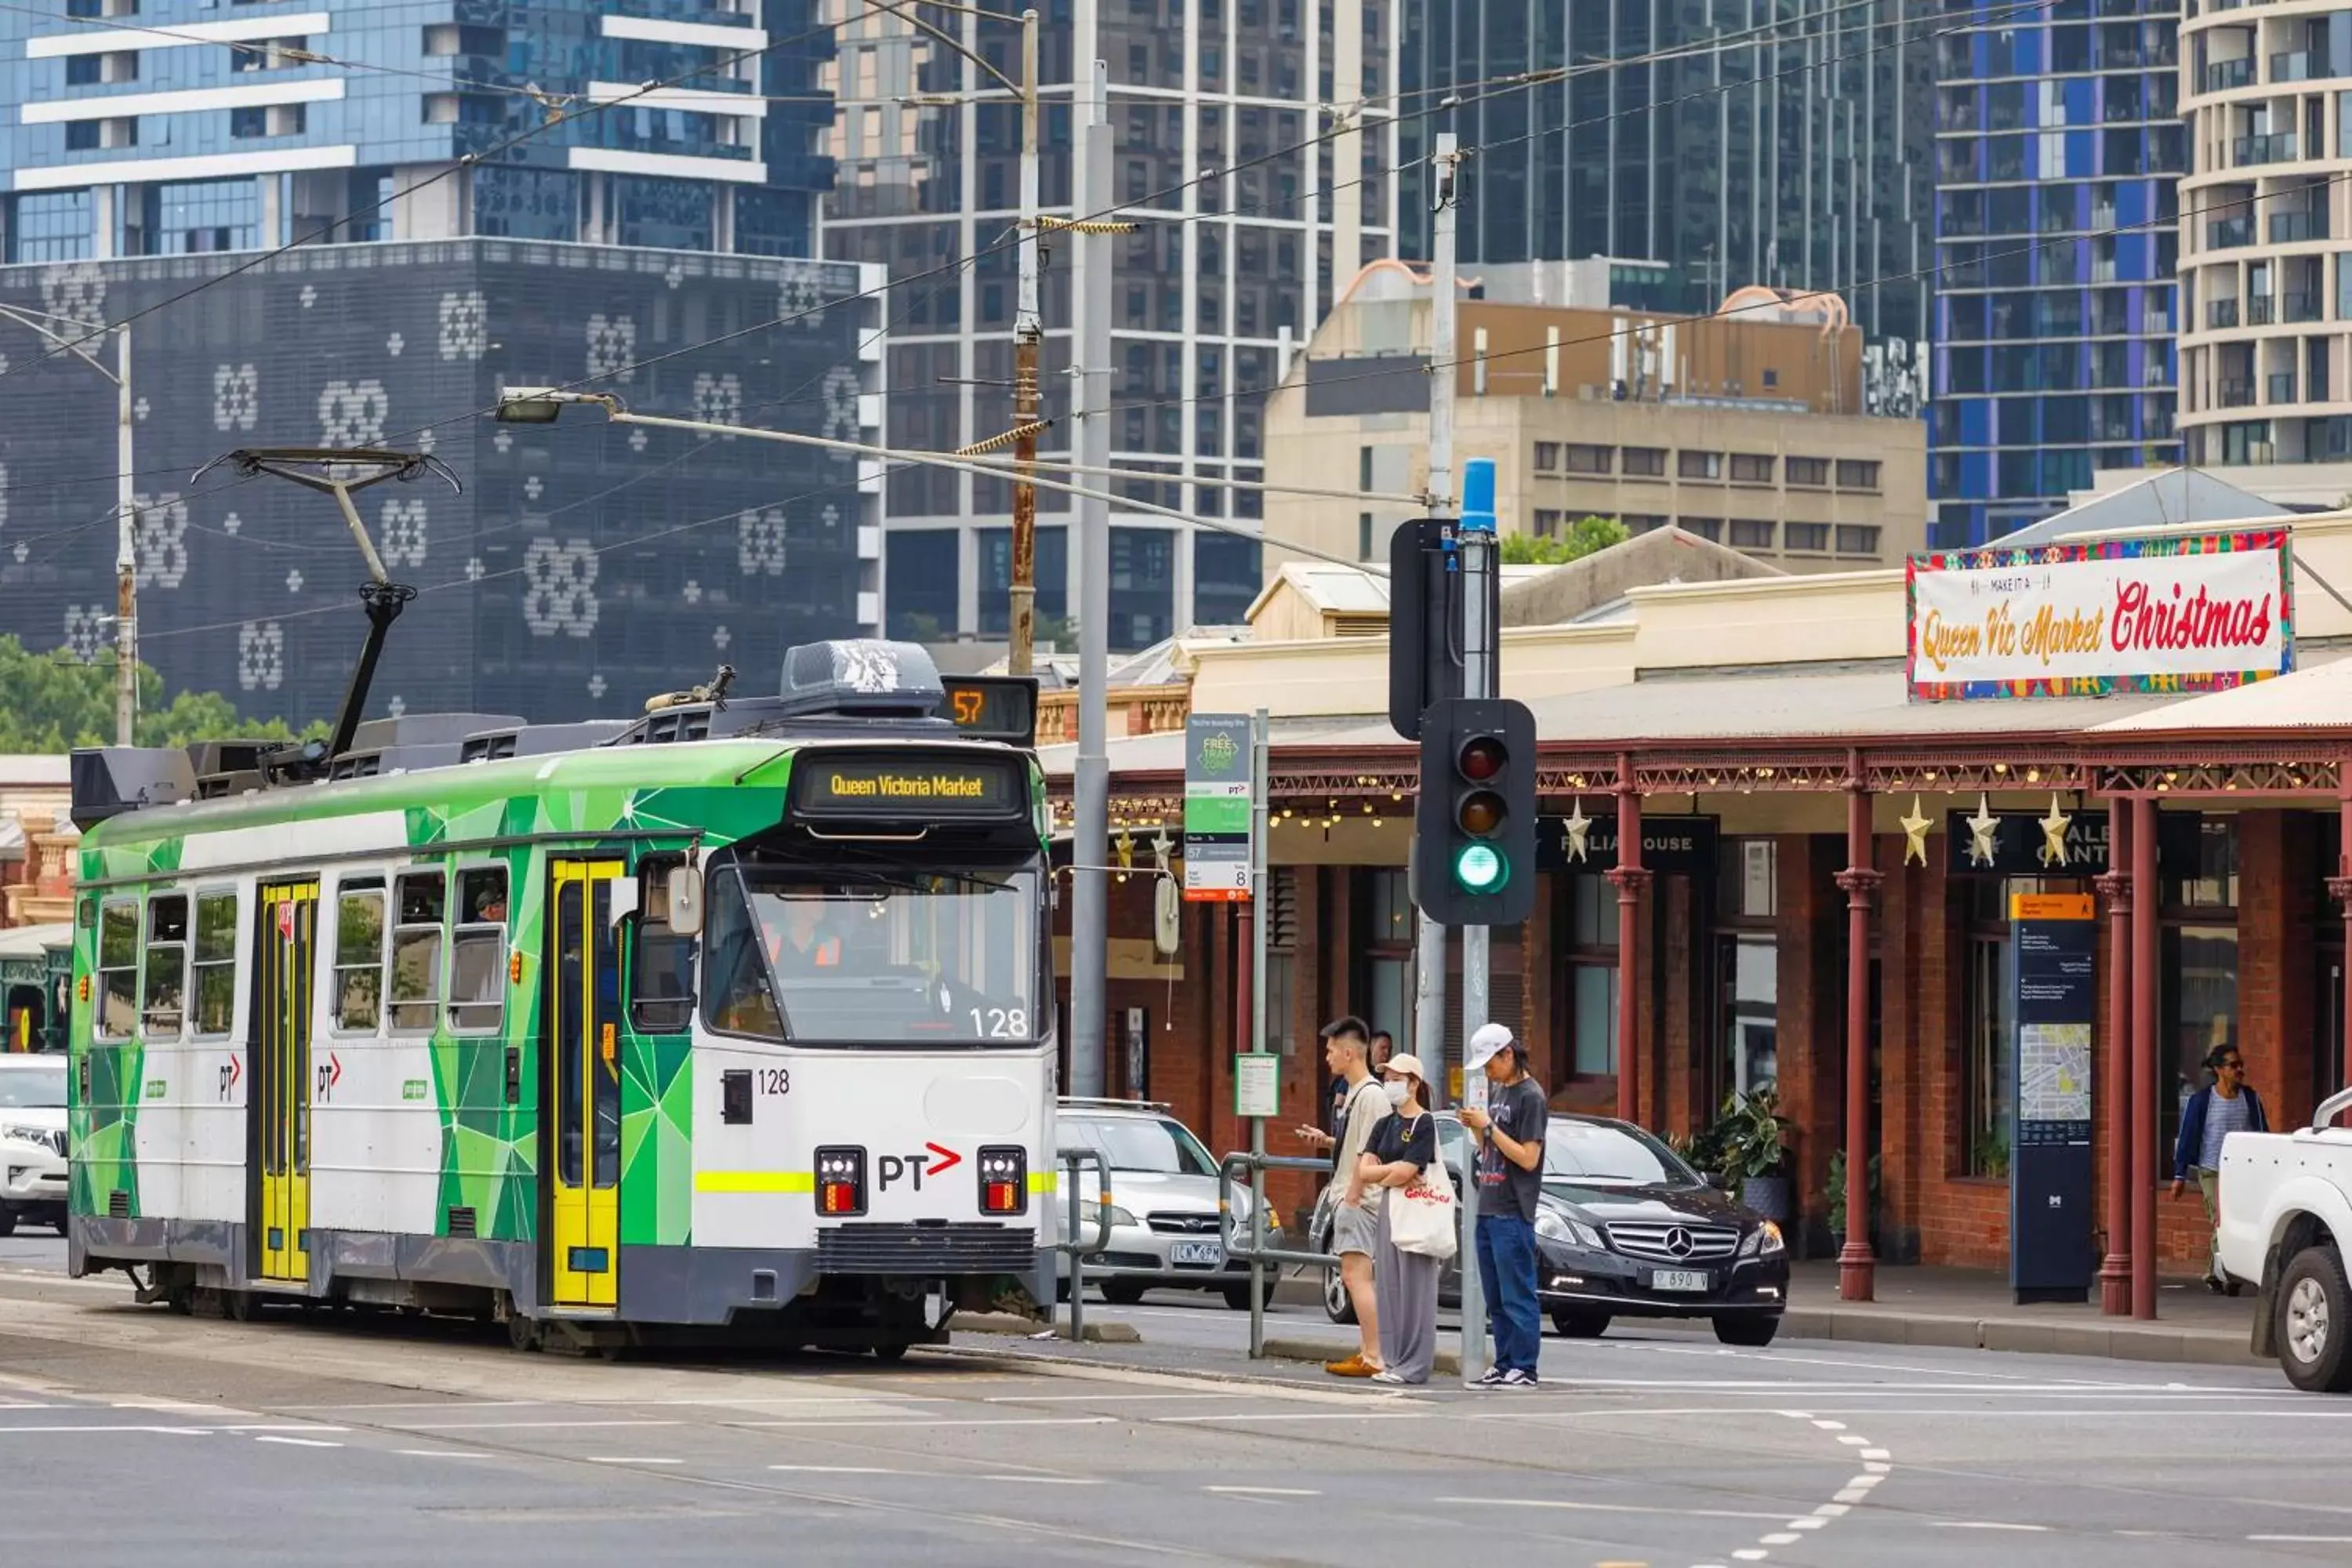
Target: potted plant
{"x":1836,"y":1196}
{"x":1755,"y":1152}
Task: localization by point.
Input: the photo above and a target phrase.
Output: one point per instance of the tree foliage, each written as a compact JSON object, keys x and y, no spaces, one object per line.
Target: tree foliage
{"x":53,"y":701}
{"x":1588,"y":535}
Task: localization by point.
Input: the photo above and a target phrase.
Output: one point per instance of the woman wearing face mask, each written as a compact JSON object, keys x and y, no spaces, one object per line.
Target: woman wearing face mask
{"x":1405,"y":1283}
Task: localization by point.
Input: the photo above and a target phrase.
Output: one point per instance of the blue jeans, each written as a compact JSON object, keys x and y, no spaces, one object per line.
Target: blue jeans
{"x":1506,"y":1271}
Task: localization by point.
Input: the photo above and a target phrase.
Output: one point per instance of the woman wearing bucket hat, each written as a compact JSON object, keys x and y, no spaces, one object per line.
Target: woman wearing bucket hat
{"x":1403,"y":1158}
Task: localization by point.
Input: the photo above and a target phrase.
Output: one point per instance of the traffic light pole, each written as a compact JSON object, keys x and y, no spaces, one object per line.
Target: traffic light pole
{"x":1475,"y":556}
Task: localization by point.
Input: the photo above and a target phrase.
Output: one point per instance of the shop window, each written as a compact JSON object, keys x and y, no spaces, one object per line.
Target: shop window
{"x":2198,"y":984}
{"x":416,"y":952}
{"x":358,"y":955}
{"x":163,"y":1002}
{"x":1747,"y":965}
{"x":118,"y":971}
{"x":1990,"y":1016}
{"x":215,"y":962}
{"x":1593,"y":975}
{"x":1389,"y":928}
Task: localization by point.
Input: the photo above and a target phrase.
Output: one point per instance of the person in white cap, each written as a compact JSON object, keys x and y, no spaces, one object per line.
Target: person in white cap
{"x":1510,"y":1140}
{"x":1405,"y":1283}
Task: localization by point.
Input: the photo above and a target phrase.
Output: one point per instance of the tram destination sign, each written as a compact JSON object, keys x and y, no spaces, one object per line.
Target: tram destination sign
{"x":2192,"y":612}
{"x":911,"y":785}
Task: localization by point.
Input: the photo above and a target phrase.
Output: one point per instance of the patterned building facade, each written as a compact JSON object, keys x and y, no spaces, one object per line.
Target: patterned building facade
{"x":2059,"y":151}
{"x":583,"y":566}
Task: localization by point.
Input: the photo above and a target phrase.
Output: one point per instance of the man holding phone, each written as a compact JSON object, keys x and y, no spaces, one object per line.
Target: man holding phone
{"x":1355,"y":1219}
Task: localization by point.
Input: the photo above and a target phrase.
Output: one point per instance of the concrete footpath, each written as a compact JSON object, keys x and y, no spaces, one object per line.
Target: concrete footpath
{"x":1970,"y":1310}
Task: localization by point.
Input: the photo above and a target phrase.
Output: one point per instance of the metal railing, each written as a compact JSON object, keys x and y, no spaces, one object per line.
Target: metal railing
{"x":1072,"y":1161}
{"x":2330,"y":1109}
{"x":1257,"y":1253}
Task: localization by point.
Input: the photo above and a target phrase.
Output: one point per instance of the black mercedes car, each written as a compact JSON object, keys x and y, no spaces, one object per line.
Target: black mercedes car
{"x":1625,"y":1230}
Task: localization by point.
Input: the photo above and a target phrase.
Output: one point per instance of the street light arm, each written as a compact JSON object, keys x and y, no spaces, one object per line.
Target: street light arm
{"x":31,"y":321}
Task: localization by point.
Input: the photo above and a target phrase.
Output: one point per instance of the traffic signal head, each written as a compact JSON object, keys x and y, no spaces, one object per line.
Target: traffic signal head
{"x":1474,"y":829}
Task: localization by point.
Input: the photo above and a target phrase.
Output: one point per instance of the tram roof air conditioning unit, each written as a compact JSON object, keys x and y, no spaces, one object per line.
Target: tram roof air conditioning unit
{"x":861,"y":678}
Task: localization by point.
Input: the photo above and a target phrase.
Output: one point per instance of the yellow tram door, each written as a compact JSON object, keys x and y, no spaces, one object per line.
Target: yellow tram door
{"x":581,"y":1133}
{"x":281,"y":1087}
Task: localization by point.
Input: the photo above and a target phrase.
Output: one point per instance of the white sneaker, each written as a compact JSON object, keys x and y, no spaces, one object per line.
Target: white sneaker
{"x":1519,"y":1377}
{"x":1384,"y":1375}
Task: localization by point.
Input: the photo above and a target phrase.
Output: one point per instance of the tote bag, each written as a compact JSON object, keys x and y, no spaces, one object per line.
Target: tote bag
{"x":1422,"y":1218}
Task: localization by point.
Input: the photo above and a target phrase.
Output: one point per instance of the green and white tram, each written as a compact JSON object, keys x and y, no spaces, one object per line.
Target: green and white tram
{"x":736,"y":1020}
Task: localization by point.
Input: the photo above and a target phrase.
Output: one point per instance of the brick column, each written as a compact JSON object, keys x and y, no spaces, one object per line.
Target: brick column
{"x":1630,"y":880}
{"x":1857,"y":1267}
{"x":2116,"y":1074}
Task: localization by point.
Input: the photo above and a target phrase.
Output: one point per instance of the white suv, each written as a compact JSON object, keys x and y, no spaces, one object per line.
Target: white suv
{"x":32,"y":1140}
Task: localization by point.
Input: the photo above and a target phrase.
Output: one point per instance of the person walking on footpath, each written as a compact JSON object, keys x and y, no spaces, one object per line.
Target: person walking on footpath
{"x":1404,"y":1284}
{"x":1355,"y":1217}
{"x":2229,"y":1105}
{"x":1510,"y":1140}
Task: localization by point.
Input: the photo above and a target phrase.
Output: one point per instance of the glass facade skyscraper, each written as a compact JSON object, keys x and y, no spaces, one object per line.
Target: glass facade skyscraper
{"x":1224,"y":274}
{"x":1735,"y":140}
{"x":151,"y":150}
{"x":2059,"y":149}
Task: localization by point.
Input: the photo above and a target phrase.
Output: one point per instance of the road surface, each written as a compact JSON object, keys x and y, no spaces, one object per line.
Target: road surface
{"x":128,"y":1436}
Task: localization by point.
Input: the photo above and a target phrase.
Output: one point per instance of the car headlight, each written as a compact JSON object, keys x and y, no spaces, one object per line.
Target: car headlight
{"x":1763,"y":1241}
{"x":26,"y":1135}
{"x":1559,"y":1226}
{"x":1119,"y":1216}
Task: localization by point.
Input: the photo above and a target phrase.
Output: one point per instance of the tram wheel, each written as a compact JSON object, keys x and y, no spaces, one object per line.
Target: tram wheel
{"x":239,"y":1306}
{"x":523,"y":1333}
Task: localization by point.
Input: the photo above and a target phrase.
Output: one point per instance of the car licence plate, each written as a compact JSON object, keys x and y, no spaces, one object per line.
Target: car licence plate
{"x":1678,"y":1280}
{"x":1206,"y":1254}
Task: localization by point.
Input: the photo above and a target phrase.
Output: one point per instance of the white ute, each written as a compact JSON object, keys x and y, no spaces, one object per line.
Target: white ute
{"x":2287,"y":1221}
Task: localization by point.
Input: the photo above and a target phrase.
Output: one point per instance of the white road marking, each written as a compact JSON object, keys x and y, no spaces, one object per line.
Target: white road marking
{"x":524,"y":1425}
{"x":1040,"y":1481}
{"x":298,"y":1442}
{"x":2305,"y":1540}
{"x":284,"y":1426}
{"x":1874,"y":1453}
{"x":443,"y":1454}
{"x":1779,"y":1538}
{"x":1596,"y":1506}
{"x":1834,"y":1511}
{"x":1421,"y":1413}
{"x":1807,"y":1523}
{"x":837,"y":1470}
{"x":1751,"y":1554}
{"x":1986,"y":1524}
{"x":903,"y":1423}
{"x":102,"y":1427}
{"x":628,"y":1460}
{"x":1264,"y":1491}
{"x":1831,"y":1425}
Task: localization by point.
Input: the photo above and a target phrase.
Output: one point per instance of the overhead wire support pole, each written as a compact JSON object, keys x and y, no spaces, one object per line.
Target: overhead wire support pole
{"x":1090,"y":782}
{"x":1429,"y":937}
{"x":1028,"y":338}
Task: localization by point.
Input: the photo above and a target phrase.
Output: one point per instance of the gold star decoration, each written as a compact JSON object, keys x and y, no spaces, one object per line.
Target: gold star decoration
{"x":1915,"y":835}
{"x":1984,"y":830}
{"x":1577,"y":827}
{"x":1125,"y":849}
{"x":2053,"y":835}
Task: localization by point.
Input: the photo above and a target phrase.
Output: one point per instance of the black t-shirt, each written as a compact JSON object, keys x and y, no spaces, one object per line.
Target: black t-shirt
{"x":1415,"y":1145}
{"x":1335,"y":1114}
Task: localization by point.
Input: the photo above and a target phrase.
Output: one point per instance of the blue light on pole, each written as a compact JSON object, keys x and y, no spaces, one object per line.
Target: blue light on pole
{"x":1478,"y":496}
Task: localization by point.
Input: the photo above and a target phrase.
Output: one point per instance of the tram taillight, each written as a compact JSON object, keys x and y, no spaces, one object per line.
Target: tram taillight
{"x":1003,"y":1179}
{"x":841,"y":1181}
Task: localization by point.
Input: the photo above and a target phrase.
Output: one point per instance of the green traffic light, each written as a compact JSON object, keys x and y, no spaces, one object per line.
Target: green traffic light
{"x":1479,"y":868}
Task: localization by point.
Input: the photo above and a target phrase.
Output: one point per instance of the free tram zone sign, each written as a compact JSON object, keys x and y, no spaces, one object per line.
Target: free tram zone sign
{"x":2197,"y":611}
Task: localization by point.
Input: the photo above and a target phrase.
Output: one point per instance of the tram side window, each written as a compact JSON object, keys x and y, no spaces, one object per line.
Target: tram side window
{"x":118,"y":971}
{"x":164,"y":1004}
{"x":215,"y":962}
{"x":359,"y":956}
{"x":661,"y":973}
{"x":416,"y":952}
{"x":478,"y":970}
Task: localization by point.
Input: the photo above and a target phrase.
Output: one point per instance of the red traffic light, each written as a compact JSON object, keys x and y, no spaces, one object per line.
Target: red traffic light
{"x":1481,"y":758}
